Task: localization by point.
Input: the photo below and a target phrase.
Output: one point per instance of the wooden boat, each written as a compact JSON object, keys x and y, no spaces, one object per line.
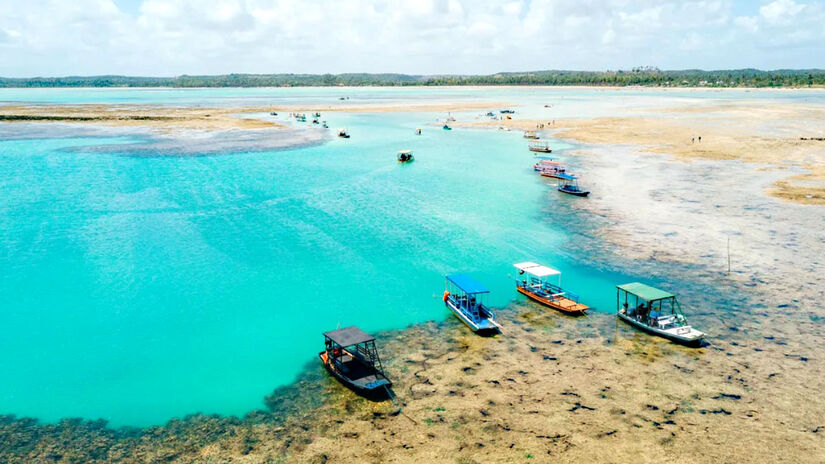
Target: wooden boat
{"x":539,"y":146}
{"x":656,"y":312}
{"x":350,"y":355}
{"x":548,"y":163}
{"x":530,"y":135}
{"x":274,"y":113}
{"x":533,"y":284}
{"x":315,"y":121}
{"x":446,"y":127}
{"x":463,"y":296}
{"x":405,"y":156}
{"x":343,"y":133}
{"x":570,"y":185}
{"x":507,"y":112}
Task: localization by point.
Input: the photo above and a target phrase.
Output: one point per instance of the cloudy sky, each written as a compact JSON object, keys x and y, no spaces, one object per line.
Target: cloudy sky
{"x":172,"y":37}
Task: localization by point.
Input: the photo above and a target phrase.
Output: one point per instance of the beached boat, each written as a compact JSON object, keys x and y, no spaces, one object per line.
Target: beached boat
{"x":540,"y":146}
{"x":446,"y":127}
{"x":350,"y":355}
{"x":343,"y":133}
{"x":274,"y":113}
{"x":507,"y":112}
{"x":529,"y":134}
{"x":570,"y":185}
{"x":655,"y":311}
{"x":533,"y":283}
{"x":405,"y":156}
{"x":463,"y":296}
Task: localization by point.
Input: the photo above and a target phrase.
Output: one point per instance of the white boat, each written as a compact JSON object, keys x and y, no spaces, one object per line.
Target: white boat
{"x":656,"y":312}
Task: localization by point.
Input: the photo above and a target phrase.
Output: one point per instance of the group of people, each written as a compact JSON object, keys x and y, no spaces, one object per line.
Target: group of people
{"x":644,"y":313}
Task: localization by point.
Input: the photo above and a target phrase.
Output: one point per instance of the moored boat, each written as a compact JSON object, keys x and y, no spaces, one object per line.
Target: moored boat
{"x":343,"y":133}
{"x":534,"y":285}
{"x":570,"y":185}
{"x":463,"y":296}
{"x":446,"y":127}
{"x":656,"y":312}
{"x":350,"y":355}
{"x":529,"y":134}
{"x":540,"y":146}
{"x":405,"y":156}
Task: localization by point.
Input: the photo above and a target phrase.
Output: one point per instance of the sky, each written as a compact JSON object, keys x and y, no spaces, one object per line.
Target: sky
{"x":174,"y":37}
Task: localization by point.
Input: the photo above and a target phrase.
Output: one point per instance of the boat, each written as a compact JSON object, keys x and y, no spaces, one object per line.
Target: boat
{"x":405,"y":156}
{"x":315,"y":120}
{"x":540,"y":146}
{"x":656,"y":312}
{"x":325,"y":125}
{"x":450,"y":118}
{"x":418,"y":131}
{"x":570,"y":185}
{"x":548,"y":163}
{"x":463,"y":296}
{"x":316,"y":115}
{"x":490,"y":114}
{"x":351,"y":357}
{"x":528,"y":134}
{"x":343,"y":133}
{"x":533,"y":284}
{"x":274,"y":113}
{"x":446,"y":127}
{"x":507,"y":112}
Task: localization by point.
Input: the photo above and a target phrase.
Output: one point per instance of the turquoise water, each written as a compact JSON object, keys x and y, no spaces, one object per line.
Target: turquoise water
{"x":137,"y":289}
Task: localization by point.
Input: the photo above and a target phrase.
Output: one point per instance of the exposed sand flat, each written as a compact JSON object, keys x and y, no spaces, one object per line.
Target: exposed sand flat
{"x":780,"y":135}
{"x":163,"y":118}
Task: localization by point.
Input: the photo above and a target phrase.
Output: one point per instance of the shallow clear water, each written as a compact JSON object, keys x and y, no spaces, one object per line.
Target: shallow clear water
{"x":141,"y":288}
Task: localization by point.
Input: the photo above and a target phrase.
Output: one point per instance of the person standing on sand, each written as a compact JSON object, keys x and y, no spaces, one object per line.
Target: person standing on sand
{"x":692,"y":139}
{"x":700,"y":139}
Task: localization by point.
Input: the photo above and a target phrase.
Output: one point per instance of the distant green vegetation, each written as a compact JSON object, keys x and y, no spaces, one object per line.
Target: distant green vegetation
{"x":651,"y":77}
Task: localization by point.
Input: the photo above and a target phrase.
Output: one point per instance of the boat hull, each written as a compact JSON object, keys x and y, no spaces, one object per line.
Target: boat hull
{"x":564,"y":305}
{"x":483,"y":326}
{"x":687,"y":341}
{"x":379,"y":390}
{"x":578,"y":193}
{"x":541,"y":150}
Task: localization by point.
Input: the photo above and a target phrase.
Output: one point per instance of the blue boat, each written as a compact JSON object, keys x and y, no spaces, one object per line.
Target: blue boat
{"x":570,"y":185}
{"x":446,"y":127}
{"x":463,"y":296}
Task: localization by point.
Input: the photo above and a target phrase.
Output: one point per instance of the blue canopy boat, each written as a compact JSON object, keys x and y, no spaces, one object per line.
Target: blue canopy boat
{"x":570,"y":185}
{"x":463,"y":296}
{"x":446,"y":127}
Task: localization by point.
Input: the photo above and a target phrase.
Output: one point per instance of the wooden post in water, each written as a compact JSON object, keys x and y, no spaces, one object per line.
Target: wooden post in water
{"x":728,"y":255}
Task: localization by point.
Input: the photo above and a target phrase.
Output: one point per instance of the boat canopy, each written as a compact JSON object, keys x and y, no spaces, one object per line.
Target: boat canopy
{"x":645,"y":292}
{"x":467,"y":284}
{"x":349,"y":336}
{"x":564,"y":176}
{"x":537,"y":269}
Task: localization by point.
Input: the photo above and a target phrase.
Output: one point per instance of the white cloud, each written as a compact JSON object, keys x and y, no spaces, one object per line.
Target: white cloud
{"x":169,"y":37}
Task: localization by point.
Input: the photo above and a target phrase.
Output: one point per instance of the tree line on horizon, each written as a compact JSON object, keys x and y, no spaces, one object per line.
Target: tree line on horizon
{"x":650,"y":77}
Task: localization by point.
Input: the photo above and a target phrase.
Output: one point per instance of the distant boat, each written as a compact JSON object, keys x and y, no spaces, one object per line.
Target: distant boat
{"x":446,"y":127}
{"x":570,"y":185}
{"x":535,"y":286}
{"x":507,"y":112}
{"x":405,"y":156}
{"x":350,"y":355}
{"x":316,"y":115}
{"x":540,"y":146}
{"x":463,"y":297}
{"x":418,"y":131}
{"x":325,"y":125}
{"x":274,"y":113}
{"x":655,"y":311}
{"x":529,"y":134}
{"x":450,"y":118}
{"x":315,"y":121}
{"x":343,"y":133}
